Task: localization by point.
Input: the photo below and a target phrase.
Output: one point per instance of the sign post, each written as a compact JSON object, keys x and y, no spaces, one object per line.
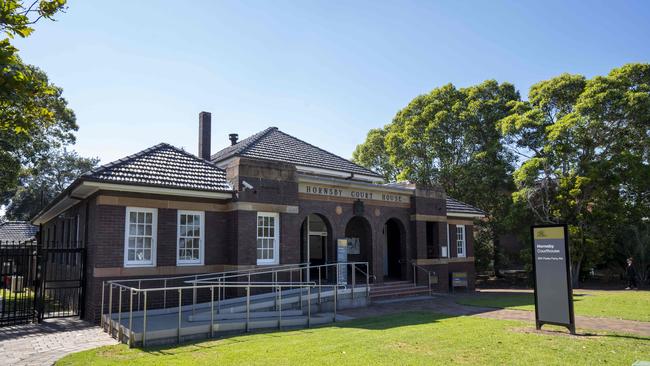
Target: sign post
{"x":553,"y":292}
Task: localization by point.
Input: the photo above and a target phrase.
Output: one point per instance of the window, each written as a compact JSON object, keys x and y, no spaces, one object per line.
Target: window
{"x":268,"y":238}
{"x":190,"y":243}
{"x":140,"y":237}
{"x":460,"y":240}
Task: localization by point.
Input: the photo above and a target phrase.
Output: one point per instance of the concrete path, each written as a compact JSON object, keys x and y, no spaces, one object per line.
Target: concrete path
{"x":446,"y":304}
{"x":43,"y":344}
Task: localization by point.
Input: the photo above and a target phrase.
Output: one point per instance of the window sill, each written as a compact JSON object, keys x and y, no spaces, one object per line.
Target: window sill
{"x":139,"y":265}
{"x":189,"y":264}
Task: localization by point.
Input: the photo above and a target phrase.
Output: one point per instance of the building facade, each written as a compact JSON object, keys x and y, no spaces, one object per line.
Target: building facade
{"x":269,"y":199}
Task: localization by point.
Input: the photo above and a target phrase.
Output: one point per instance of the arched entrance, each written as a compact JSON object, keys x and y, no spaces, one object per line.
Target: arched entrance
{"x":359,"y":230}
{"x":315,"y":237}
{"x":393,"y":251}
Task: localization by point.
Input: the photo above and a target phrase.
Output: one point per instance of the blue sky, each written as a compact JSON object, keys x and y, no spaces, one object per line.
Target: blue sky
{"x":138,"y":72}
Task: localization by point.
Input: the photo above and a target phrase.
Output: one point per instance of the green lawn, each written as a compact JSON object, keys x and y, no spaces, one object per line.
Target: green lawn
{"x":404,"y":339}
{"x":19,"y":300}
{"x":631,"y":305}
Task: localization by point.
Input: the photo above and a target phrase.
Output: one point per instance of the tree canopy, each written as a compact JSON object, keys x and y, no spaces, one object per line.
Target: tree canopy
{"x":450,"y":137}
{"x":577,"y":152}
{"x":34,"y":117}
{"x":49,"y":177}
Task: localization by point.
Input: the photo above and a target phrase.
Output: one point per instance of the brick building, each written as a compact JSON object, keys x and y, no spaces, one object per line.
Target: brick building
{"x":266,"y":200}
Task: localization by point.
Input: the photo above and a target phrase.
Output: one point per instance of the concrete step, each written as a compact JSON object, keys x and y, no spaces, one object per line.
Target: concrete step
{"x":412,"y":291}
{"x":379,"y":290}
{"x":391,"y":283}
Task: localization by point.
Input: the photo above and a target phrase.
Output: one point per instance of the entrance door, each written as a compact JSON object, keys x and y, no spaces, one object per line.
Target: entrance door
{"x":314,"y":244}
{"x":393,"y":250}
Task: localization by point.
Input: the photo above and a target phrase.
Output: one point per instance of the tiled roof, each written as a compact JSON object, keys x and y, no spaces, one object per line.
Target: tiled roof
{"x":273,"y":144}
{"x":17,"y":231}
{"x":456,"y":206}
{"x":165,"y":166}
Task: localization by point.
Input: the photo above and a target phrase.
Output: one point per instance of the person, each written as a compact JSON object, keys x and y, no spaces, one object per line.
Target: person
{"x":631,"y":275}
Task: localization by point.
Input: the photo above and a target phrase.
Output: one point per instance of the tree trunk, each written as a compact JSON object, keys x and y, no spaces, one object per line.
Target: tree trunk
{"x":575,"y":272}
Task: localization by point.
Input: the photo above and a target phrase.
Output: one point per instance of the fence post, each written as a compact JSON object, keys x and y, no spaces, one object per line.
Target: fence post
{"x":139,"y":294}
{"x":280,"y":307}
{"x":308,"y":306}
{"x":180,"y":307}
{"x":319,"y":284}
{"x":144,"y":322}
{"x":101,"y":314}
{"x":194,"y":293}
{"x":165,"y":294}
{"x":212,"y":312}
{"x":248,"y":308}
{"x":415,"y":275}
{"x":354,"y":280}
{"x":119,"y":317}
{"x":367,"y":281}
{"x":110,"y":310}
{"x":336,"y":290}
{"x":131,"y":318}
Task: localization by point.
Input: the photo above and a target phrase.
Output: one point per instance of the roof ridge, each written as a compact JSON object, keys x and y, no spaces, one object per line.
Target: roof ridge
{"x":257,"y":139}
{"x":189,"y":154}
{"x":126,"y":158}
{"x":325,"y":151}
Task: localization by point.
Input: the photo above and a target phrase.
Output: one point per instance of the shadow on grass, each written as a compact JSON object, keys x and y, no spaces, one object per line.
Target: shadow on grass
{"x":374,"y":323}
{"x":501,"y":300}
{"x":382,"y":322}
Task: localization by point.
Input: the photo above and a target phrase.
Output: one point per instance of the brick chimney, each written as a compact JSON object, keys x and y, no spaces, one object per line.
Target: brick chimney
{"x":205,"y":124}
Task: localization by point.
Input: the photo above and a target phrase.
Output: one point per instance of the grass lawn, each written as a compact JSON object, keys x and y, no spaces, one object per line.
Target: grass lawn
{"x":9,"y":300}
{"x":631,"y":305}
{"x":404,"y":339}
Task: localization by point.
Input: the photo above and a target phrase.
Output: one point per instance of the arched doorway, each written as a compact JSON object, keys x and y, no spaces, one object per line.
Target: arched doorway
{"x":315,"y":238}
{"x":359,"y":230}
{"x":393,"y":251}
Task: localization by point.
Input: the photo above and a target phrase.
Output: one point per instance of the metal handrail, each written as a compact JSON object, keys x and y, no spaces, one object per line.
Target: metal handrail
{"x":415,"y":274}
{"x":146,"y":279}
{"x":220,"y":284}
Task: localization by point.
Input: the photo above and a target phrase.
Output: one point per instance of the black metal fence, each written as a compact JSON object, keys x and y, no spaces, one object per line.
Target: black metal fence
{"x":40,"y":281}
{"x":18,"y":273}
{"x":61,"y":283}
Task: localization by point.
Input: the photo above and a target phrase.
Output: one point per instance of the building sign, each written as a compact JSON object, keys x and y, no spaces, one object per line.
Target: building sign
{"x":342,"y":257}
{"x":357,"y":194}
{"x":553,"y":292}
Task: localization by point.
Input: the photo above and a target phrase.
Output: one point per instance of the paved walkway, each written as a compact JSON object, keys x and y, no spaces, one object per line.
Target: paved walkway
{"x":43,"y":344}
{"x":445,"y":304}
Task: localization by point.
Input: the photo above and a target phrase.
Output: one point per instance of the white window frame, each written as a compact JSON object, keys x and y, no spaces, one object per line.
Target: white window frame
{"x":154,"y":237}
{"x":201,"y":259}
{"x":276,"y":237}
{"x":462,"y":242}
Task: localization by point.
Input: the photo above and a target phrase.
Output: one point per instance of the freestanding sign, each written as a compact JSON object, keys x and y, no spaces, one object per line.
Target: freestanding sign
{"x":553,"y":292}
{"x":342,"y":257}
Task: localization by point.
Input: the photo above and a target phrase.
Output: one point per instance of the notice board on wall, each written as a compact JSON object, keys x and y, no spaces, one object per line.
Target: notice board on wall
{"x":553,"y":292}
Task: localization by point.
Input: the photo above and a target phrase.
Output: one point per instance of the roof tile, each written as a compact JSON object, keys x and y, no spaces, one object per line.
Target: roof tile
{"x":273,"y":144}
{"x":166,"y":166}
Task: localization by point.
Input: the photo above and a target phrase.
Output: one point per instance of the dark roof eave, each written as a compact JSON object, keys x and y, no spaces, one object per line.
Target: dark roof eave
{"x":91,"y":179}
{"x":66,"y":192}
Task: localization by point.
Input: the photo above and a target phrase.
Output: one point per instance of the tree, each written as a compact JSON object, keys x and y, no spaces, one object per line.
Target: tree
{"x":586,"y":148}
{"x":33,"y":115}
{"x":372,"y":154}
{"x":450,"y":137}
{"x":48,"y":178}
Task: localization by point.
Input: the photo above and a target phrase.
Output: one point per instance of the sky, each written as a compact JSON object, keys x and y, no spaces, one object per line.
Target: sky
{"x":138,"y":73}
